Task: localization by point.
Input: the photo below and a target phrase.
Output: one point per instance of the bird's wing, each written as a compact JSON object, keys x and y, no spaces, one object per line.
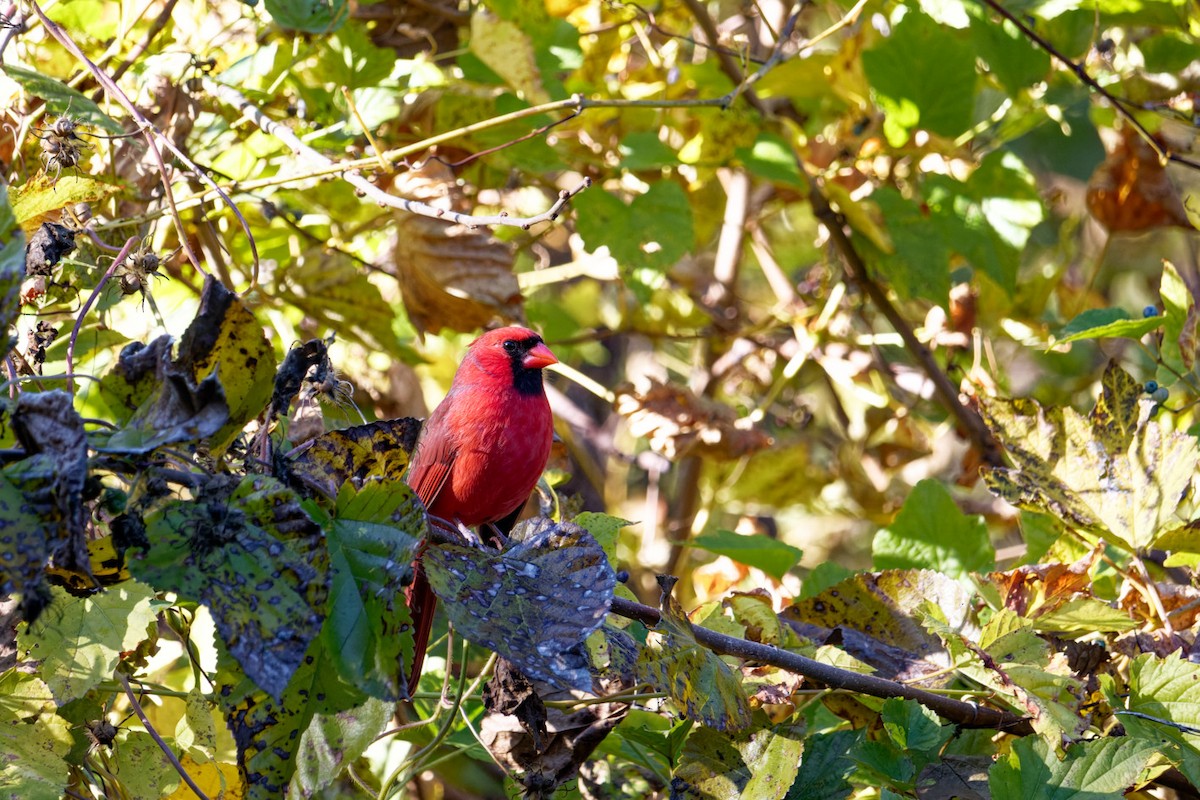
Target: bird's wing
{"x":431,"y":465}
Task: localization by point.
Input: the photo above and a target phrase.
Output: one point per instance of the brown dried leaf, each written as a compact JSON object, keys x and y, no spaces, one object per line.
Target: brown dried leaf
{"x":679,"y":423}
{"x":450,"y":275}
{"x":1130,"y":191}
{"x":1187,"y":337}
{"x":546,"y":745}
{"x":1040,"y":588}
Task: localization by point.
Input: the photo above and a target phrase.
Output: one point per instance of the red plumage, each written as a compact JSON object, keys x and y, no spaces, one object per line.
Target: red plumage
{"x":482,"y":450}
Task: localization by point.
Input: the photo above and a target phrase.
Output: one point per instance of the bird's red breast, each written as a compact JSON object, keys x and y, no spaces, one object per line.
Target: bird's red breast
{"x":483,"y":449}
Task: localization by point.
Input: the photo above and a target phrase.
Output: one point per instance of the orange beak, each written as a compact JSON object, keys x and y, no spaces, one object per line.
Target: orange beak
{"x":538,"y":357}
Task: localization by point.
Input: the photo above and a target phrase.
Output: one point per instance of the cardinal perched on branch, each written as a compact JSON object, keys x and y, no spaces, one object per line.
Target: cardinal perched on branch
{"x":482,"y":450}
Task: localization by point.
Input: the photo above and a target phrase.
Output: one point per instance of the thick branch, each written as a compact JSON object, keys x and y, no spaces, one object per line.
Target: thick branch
{"x":965,"y":714}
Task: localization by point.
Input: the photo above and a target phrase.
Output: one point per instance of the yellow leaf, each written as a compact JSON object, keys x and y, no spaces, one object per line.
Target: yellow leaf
{"x":218,"y":781}
{"x":508,"y":52}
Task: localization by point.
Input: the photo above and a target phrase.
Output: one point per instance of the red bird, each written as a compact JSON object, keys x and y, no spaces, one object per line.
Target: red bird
{"x":482,"y":450}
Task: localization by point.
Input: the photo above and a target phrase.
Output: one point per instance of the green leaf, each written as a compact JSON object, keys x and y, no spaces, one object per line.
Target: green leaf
{"x":1107,"y":323}
{"x":308,"y":16}
{"x":25,"y":541}
{"x":372,"y":541}
{"x":605,"y":528}
{"x":350,"y":59}
{"x":919,"y":264}
{"x":1167,"y":689}
{"x":772,"y":158}
{"x":642,"y":151}
{"x":251,"y":554}
{"x":141,"y":766}
{"x":923,"y":75}
{"x":62,"y":99}
{"x":1117,"y":472}
{"x":1176,"y":299}
{"x":82,"y":645}
{"x":534,"y":603}
{"x":34,"y":200}
{"x":705,"y":687}
{"x":1097,"y":770}
{"x":761,"y":764}
{"x":34,"y":739}
{"x":1014,"y":60}
{"x":914,"y":728}
{"x":825,"y":766}
{"x":772,"y":556}
{"x":1085,"y":615}
{"x":334,"y":741}
{"x":604,"y":220}
{"x":930,"y":532}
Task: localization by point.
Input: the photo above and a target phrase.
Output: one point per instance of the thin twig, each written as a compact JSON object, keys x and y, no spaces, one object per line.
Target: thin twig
{"x":1118,"y":105}
{"x":117,"y":262}
{"x":250,"y":112}
{"x":137,"y":707}
{"x":968,"y":715}
{"x":153,"y":135}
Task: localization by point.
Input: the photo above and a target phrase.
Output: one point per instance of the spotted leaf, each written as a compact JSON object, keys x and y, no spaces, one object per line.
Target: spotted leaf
{"x":357,"y":454}
{"x":251,"y":554}
{"x":1116,"y":472}
{"x":535,"y":603}
{"x":705,"y":687}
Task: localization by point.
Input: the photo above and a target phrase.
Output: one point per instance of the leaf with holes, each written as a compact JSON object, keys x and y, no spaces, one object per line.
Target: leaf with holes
{"x":251,"y":554}
{"x":705,"y":687}
{"x":534,"y":603}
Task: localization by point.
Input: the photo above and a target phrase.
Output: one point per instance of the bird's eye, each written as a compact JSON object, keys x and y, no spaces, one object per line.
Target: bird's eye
{"x":510,"y":346}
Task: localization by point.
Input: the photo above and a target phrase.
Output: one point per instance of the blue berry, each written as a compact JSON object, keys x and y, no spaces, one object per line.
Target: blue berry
{"x":1151,"y":387}
{"x":1160,"y":394}
{"x":1150,"y":311}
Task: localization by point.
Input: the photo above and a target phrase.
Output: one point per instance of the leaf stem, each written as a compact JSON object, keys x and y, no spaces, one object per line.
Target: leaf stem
{"x":137,"y":708}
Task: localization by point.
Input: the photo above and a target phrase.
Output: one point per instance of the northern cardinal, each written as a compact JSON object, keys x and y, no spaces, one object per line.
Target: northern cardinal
{"x":482,"y":450}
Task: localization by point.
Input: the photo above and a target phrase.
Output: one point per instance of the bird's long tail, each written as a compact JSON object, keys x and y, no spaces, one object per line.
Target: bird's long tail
{"x":422,"y":602}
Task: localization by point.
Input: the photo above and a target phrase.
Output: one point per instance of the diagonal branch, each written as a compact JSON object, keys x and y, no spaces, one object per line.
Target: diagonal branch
{"x":960,"y":712}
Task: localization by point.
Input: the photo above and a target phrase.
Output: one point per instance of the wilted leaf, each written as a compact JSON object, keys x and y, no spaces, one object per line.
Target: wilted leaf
{"x":171,"y":406}
{"x":225,"y":340}
{"x":355,"y":455}
{"x":1101,"y":769}
{"x":930,"y":532}
{"x":83,"y":644}
{"x":34,"y":739}
{"x":47,"y":246}
{"x":1117,"y":472}
{"x":450,"y":276}
{"x":760,"y":764}
{"x":1131,"y":192}
{"x":955,"y":777}
{"x":545,"y":745}
{"x":25,"y":543}
{"x":706,"y":689}
{"x":251,"y":554}
{"x":678,"y":422}
{"x":534,"y":603}
{"x":52,"y":476}
{"x":371,"y":541}
{"x":772,"y":556}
